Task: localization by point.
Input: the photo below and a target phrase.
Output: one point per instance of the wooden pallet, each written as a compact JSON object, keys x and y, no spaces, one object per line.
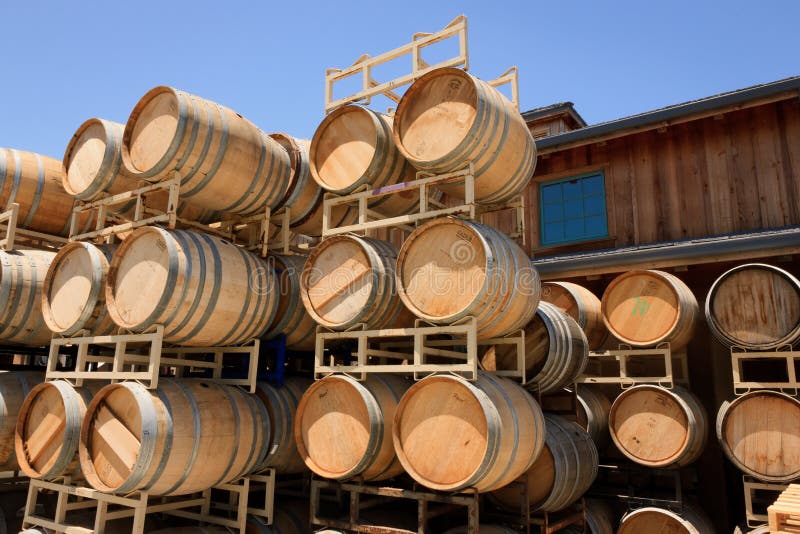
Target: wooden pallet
{"x":142,"y":357}
{"x":425,"y":187}
{"x":615,"y":367}
{"x":410,"y":350}
{"x":108,"y":225}
{"x":785,"y":354}
{"x":784,"y":515}
{"x":13,"y":235}
{"x":429,"y":505}
{"x":363,"y":66}
{"x":108,"y":507}
{"x":751,"y":487}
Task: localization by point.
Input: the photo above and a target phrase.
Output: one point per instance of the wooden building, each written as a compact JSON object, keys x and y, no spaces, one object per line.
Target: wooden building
{"x":693,"y":189}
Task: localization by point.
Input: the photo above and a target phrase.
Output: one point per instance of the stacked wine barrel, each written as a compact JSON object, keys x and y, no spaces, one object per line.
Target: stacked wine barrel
{"x":756,"y":308}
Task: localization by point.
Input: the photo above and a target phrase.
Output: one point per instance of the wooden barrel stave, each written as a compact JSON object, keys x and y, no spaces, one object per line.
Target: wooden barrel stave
{"x":580,"y":304}
{"x":449,"y":269}
{"x":646,"y":308}
{"x":343,"y":427}
{"x":652,"y":519}
{"x":291,"y":317}
{"x":34,"y":182}
{"x":226,"y":164}
{"x":767,"y":448}
{"x":74,"y":290}
{"x":349,"y":280}
{"x":14,"y":387}
{"x":448,"y":118}
{"x":754,"y":306}
{"x":658,"y":427}
{"x":186,"y":436}
{"x":49,"y":427}
{"x":22,"y":274}
{"x":492,"y":425}
{"x":204,"y":290}
{"x":281,"y":405}
{"x":594,"y":409}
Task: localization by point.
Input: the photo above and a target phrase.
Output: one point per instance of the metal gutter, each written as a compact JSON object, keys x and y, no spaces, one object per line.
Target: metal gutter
{"x":671,"y":254}
{"x":780,"y":90}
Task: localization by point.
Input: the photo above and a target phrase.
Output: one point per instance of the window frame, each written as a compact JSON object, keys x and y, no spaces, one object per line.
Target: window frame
{"x":565,"y":242}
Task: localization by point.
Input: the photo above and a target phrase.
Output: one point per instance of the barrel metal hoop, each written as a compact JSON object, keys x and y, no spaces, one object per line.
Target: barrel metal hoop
{"x":245,"y":306}
{"x":223,"y":145}
{"x":172,"y":276}
{"x":3,"y":168}
{"x":279,"y":400}
{"x":376,"y":165}
{"x":180,"y":236}
{"x":496,"y":305}
{"x":396,"y":397}
{"x":94,"y":292}
{"x":112,"y":160}
{"x":493,"y":429}
{"x":376,"y":426}
{"x":17,"y":177}
{"x":263,"y":195}
{"x":215,"y":290}
{"x":201,"y":285}
{"x":225,"y":477}
{"x":18,"y":295}
{"x":72,"y":419}
{"x":6,"y":275}
{"x":192,"y":140}
{"x":263,"y":452}
{"x":180,"y":130}
{"x":149,"y":437}
{"x":169,"y":430}
{"x":201,"y":158}
{"x":498,"y":387}
{"x":496,"y":115}
{"x":197,"y":425}
{"x":290,"y":320}
{"x":37,"y":197}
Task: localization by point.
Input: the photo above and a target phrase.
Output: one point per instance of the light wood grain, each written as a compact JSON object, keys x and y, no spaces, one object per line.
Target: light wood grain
{"x":14,"y":388}
{"x":580,"y":304}
{"x":760,"y":433}
{"x":449,"y":118}
{"x":650,"y":519}
{"x":343,"y":427}
{"x":201,"y":434}
{"x":22,"y":274}
{"x":658,"y":427}
{"x":452,"y":434}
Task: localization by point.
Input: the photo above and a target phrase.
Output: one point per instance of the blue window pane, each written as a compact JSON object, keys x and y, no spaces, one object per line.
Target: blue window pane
{"x":552,"y":212}
{"x":593,"y":206}
{"x":572,"y":189}
{"x":592,"y":185}
{"x":551,"y":194}
{"x":596,"y":225}
{"x":573,"y":229}
{"x":553,"y":233}
{"x":573,"y":209}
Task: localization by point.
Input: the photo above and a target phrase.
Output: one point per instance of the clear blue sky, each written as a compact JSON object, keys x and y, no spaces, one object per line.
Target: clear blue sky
{"x":64,"y":62}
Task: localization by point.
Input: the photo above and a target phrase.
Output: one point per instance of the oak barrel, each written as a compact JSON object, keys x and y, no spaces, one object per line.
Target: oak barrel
{"x":449,"y":118}
{"x":49,"y":428}
{"x":450,"y":268}
{"x":203,"y":289}
{"x":343,"y":427}
{"x":291,"y":318}
{"x":652,"y":519}
{"x":600,"y":518}
{"x":645,"y":308}
{"x":349,"y":280}
{"x":556,"y":351}
{"x":34,"y":182}
{"x":658,"y":427}
{"x":186,"y":436}
{"x":593,"y":410}
{"x":304,"y":196}
{"x":451,"y":434}
{"x":760,"y":433}
{"x":353,"y":147}
{"x":93,"y":169}
{"x":226,"y":164}
{"x":14,"y":387}
{"x":22,"y":274}
{"x":754,"y":306}
{"x":561,"y":474}
{"x":580,"y":304}
{"x":281,"y":405}
{"x":74,"y":291}
{"x":290,"y":517}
